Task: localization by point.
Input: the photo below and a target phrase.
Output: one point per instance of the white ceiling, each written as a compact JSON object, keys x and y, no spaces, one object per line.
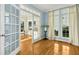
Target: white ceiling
{"x":46,"y":7}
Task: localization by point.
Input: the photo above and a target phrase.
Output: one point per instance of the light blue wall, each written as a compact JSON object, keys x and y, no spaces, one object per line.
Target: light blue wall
{"x":43,"y":17}
{"x":44,"y":20}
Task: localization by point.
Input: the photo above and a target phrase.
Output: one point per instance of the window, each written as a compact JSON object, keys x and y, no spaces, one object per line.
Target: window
{"x":65,"y":25}
{"x":65,"y":31}
{"x":56,"y":32}
{"x":34,"y":23}
{"x":61,"y":22}
{"x":22,"y":26}
{"x":30,"y":24}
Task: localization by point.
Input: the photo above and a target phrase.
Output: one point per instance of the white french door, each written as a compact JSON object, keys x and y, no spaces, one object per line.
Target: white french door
{"x":9,"y":29}
{"x":36,"y":28}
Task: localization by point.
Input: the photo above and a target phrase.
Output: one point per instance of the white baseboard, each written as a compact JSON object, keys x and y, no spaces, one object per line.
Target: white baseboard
{"x":38,"y":39}
{"x":50,"y":38}
{"x":75,"y":44}
{"x":59,"y":39}
{"x":63,"y":40}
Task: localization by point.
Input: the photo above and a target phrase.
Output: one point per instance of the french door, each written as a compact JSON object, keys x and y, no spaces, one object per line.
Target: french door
{"x":9,"y":29}
{"x":36,"y":28}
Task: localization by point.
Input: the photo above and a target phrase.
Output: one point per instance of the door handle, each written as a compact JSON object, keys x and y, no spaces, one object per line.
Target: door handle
{"x":2,"y":35}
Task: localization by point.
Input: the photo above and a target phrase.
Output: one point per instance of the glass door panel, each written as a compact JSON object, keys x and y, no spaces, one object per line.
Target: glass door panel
{"x":7,"y":7}
{"x":7,"y":29}
{"x":11,"y":29}
{"x":7,"y":50}
{"x":7,"y":39}
{"x":7,"y":20}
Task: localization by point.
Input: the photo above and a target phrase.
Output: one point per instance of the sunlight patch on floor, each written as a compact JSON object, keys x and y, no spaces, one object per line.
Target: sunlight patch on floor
{"x":65,"y":50}
{"x":56,"y":48}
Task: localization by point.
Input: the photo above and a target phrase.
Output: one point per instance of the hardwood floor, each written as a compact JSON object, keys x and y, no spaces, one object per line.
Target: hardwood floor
{"x":52,"y":47}
{"x":25,"y":45}
{"x":47,"y":47}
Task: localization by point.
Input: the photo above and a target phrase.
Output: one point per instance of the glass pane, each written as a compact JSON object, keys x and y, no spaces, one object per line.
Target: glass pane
{"x":17,"y":36}
{"x":56,"y":32}
{"x":17,"y":12}
{"x":10,"y":28}
{"x":7,"y":50}
{"x":7,"y":20}
{"x":10,"y":38}
{"x":7,"y":14}
{"x":30,"y":23}
{"x":12,"y":19}
{"x":7,"y":29}
{"x":65,"y":19}
{"x":22,"y":26}
{"x":13,"y":38}
{"x":7,"y":40}
{"x":12,"y":9}
{"x":17,"y":44}
{"x":17,"y":20}
{"x":34,"y":23}
{"x":12,"y":47}
{"x":66,"y":31}
{"x":13,"y":28}
{"x":7,"y":8}
{"x":17,"y":28}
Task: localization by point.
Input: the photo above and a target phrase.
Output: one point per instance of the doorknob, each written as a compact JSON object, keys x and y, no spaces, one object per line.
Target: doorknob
{"x":2,"y":35}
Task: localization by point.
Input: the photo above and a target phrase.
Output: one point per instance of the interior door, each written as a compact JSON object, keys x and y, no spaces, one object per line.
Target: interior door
{"x":9,"y":29}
